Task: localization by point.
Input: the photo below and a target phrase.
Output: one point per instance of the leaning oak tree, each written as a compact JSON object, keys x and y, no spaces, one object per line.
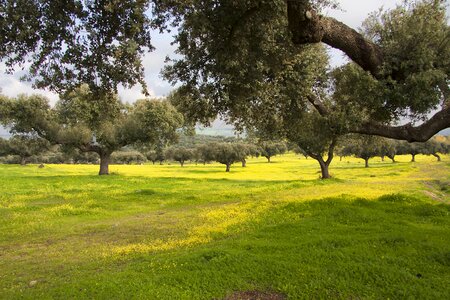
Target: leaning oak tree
{"x":312,"y":133}
{"x":228,"y":153}
{"x":179,"y":154}
{"x":268,"y":149}
{"x":232,"y":50}
{"x":363,"y":146}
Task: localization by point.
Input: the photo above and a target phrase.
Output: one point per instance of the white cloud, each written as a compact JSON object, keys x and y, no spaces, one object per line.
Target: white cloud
{"x":11,"y":86}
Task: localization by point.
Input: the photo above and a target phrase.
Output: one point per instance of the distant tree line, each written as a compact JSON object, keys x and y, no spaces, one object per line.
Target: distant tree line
{"x":22,"y":149}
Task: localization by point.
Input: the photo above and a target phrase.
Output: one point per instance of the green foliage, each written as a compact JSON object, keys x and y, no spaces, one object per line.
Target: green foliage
{"x":127,"y":157}
{"x":312,"y":133}
{"x":416,"y":51}
{"x":179,"y":154}
{"x":83,"y":121}
{"x":363,"y":146}
{"x":23,"y":146}
{"x":270,"y":149}
{"x":70,"y":43}
{"x":237,"y":60}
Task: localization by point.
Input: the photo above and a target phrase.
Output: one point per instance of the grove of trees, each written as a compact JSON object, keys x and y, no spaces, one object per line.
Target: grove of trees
{"x":81,"y":120}
{"x":261,"y":65}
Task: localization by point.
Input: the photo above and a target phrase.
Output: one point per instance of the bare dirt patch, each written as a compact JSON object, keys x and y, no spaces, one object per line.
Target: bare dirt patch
{"x":256,"y":295}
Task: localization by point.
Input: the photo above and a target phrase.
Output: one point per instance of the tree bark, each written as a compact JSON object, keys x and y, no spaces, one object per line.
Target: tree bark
{"x":268,"y":159}
{"x":382,"y":158}
{"x":366,"y":160}
{"x":182,"y":163}
{"x":105,"y":158}
{"x":413,"y":157}
{"x":309,"y":27}
{"x":437,"y":156}
{"x":392,"y":157}
{"x":324,"y":165}
{"x":23,"y":161}
{"x":407,"y":132}
{"x":324,"y":168}
{"x":244,"y":163}
{"x":228,"y":168}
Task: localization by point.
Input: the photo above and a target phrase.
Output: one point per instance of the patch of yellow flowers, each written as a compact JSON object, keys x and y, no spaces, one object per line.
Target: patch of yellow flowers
{"x":227,"y":219}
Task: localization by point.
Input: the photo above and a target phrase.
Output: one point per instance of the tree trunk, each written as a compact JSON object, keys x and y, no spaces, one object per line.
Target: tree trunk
{"x":268,"y":159}
{"x":153,"y":162}
{"x":324,"y":169}
{"x":182,"y":163}
{"x":104,"y":163}
{"x":23,"y":161}
{"x":367,"y":162}
{"x":382,"y":158}
{"x":244,"y":163}
{"x":228,"y":168}
{"x":413,"y":158}
{"x":392,"y":158}
{"x":340,"y":157}
{"x":437,"y":156}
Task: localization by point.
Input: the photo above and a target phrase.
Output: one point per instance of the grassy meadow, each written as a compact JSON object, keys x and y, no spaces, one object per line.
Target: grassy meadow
{"x":166,"y":232}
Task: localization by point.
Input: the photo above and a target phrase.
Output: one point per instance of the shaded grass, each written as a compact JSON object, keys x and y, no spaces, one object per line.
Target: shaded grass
{"x":165,"y":232}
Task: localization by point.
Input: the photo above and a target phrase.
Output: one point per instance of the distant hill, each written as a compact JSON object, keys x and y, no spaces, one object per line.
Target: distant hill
{"x":217,"y":128}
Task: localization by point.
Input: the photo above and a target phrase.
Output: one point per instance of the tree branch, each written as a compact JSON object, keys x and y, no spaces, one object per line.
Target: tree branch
{"x":309,"y":27}
{"x":407,"y":132}
{"x":421,"y":133}
{"x":331,"y":151}
{"x":318,"y":105}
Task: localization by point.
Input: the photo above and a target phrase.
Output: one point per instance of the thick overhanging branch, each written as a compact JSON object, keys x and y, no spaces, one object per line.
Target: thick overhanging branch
{"x":90,"y":148}
{"x":309,"y":27}
{"x":407,"y":132}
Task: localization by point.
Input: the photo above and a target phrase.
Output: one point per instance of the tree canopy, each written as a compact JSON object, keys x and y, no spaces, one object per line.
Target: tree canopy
{"x":238,"y":57}
{"x":83,"y":121}
{"x":69,"y":43}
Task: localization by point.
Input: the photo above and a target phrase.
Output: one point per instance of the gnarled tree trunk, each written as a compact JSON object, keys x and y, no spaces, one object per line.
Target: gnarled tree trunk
{"x":244,"y":163}
{"x":437,"y":156}
{"x":105,"y":157}
{"x":366,"y":160}
{"x":324,"y":166}
{"x":23,"y":161}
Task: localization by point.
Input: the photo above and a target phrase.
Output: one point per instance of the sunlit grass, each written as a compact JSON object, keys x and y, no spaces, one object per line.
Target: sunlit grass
{"x":197,"y":232}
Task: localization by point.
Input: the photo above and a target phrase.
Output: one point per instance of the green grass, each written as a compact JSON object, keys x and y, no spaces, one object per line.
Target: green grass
{"x":166,"y":232}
